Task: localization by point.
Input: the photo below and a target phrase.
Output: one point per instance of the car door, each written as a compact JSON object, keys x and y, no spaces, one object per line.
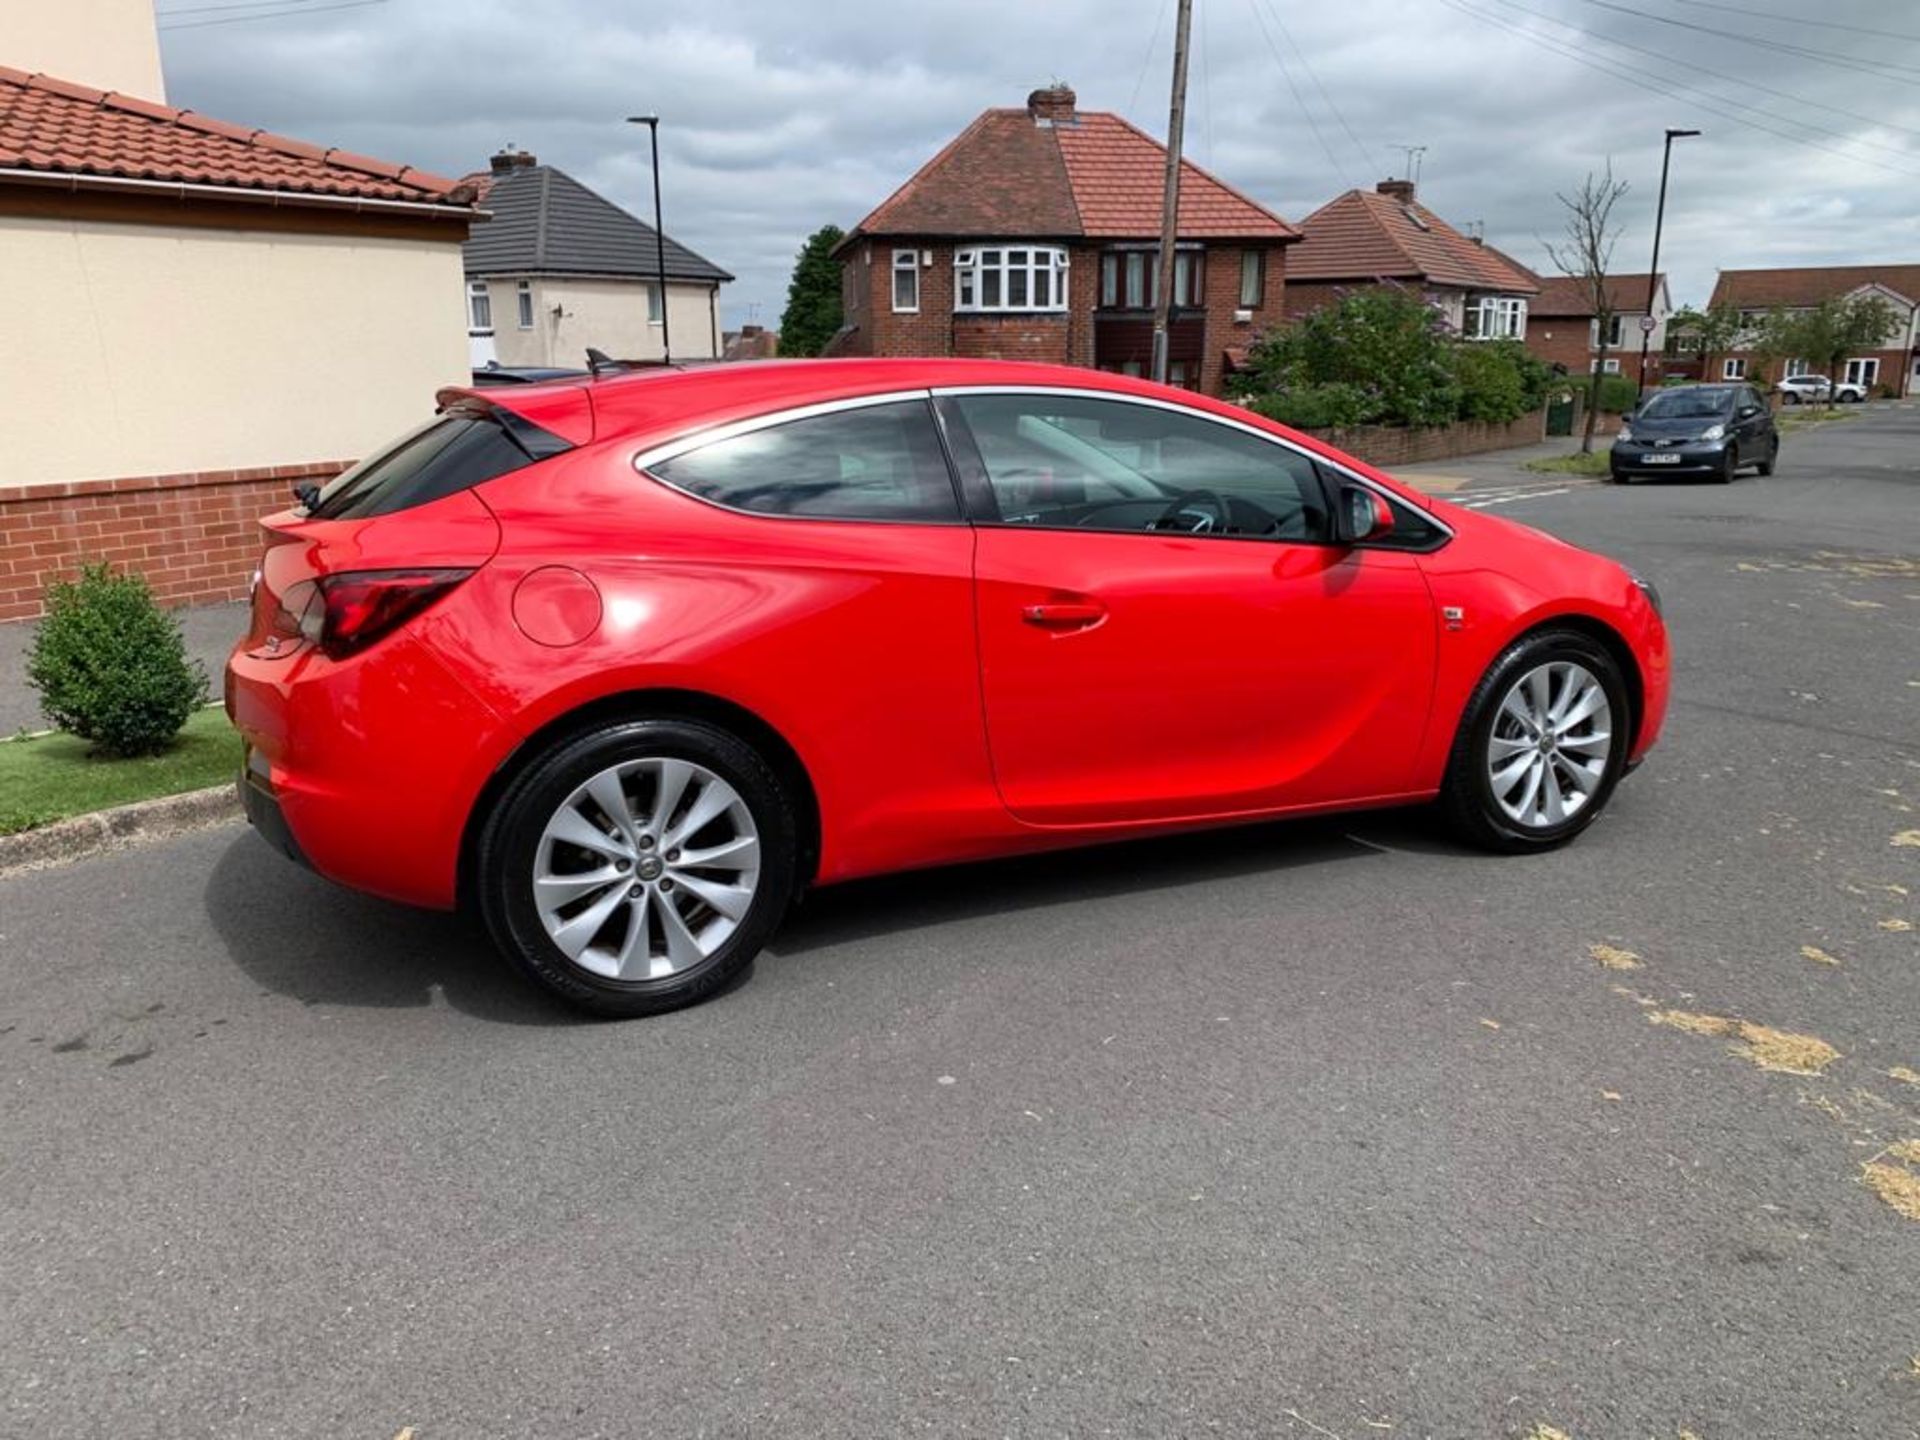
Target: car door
{"x":1165,"y":629}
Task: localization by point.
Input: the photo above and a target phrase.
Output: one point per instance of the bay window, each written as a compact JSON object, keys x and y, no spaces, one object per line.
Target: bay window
{"x":1010,"y":277}
{"x":1496,"y":317}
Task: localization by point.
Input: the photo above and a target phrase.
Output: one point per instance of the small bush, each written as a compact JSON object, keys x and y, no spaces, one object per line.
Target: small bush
{"x":1498,"y":380}
{"x":110,"y":664}
{"x":1617,"y":394}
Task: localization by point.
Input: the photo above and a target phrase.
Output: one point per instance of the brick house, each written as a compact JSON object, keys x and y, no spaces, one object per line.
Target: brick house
{"x":1562,"y":328}
{"x":1386,"y":236}
{"x":1033,"y":235}
{"x":1894,"y":365}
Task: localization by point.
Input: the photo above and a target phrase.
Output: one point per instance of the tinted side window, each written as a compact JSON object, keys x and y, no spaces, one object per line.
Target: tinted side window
{"x":452,"y":453}
{"x":1068,"y":461}
{"x":878,"y":462}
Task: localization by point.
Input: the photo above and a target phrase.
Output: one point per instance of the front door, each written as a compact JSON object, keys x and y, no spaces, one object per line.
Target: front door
{"x":1165,"y":630}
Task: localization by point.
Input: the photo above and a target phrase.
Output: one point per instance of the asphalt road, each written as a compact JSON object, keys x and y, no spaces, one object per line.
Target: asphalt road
{"x":1328,"y":1129}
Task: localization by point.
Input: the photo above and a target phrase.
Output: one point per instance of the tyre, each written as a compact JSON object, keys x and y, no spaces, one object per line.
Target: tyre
{"x":1765,"y":467}
{"x":1790,"y":397}
{"x":1729,"y":466}
{"x":1619,"y":477}
{"x":1541,"y":746}
{"x":638,"y":867}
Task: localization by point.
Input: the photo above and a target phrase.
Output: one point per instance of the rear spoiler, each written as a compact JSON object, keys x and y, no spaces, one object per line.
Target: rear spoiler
{"x":560,"y":409}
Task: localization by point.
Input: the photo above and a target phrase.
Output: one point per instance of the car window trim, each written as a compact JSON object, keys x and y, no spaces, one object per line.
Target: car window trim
{"x":982,"y":507}
{"x":645,"y":460}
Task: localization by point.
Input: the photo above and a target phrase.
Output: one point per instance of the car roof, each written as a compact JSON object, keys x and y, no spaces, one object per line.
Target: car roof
{"x":674,"y":399}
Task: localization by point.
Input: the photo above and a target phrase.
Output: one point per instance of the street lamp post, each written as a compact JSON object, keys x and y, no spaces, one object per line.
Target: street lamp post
{"x":652,"y":122}
{"x":1653,"y":271}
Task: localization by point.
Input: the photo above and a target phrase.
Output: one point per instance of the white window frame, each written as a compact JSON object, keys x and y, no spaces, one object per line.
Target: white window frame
{"x":1496,"y":317}
{"x":978,"y":269}
{"x":1797,"y":368}
{"x":523,"y":299}
{"x":1253,"y":278}
{"x":1610,"y":366}
{"x":1863,"y":371}
{"x":479,"y":308}
{"x":1617,"y":323}
{"x":905,"y":262}
{"x":656,"y":303}
{"x":1733,"y":367}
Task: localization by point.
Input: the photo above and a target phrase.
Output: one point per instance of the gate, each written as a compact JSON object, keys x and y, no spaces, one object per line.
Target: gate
{"x":1560,"y":414}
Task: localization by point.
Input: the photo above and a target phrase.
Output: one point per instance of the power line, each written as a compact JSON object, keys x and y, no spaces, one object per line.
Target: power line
{"x":1298,"y":98}
{"x":1780,"y":19}
{"x":272,"y":14}
{"x":1641,"y":81}
{"x":1366,"y":155}
{"x":1880,"y":69}
{"x":1147,"y":59}
{"x":1736,"y":80}
{"x":241,"y":5}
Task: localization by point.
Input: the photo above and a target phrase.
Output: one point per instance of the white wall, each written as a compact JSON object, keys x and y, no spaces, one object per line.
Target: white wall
{"x":610,"y":315}
{"x":108,"y":44}
{"x":142,"y":350}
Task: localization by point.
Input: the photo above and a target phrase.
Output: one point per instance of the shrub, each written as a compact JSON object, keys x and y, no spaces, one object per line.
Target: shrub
{"x":1498,"y":380}
{"x":110,"y":665}
{"x":1615,"y":394}
{"x":1383,"y":343}
{"x":1332,"y":406}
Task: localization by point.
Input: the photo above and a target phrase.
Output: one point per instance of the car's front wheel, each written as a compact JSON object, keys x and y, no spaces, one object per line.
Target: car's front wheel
{"x":638,"y":867}
{"x":1541,"y":746}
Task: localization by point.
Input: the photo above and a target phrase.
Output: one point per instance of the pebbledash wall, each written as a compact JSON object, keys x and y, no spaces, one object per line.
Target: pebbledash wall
{"x":196,"y":538}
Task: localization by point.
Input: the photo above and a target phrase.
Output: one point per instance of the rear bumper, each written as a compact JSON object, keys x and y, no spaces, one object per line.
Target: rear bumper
{"x":365,"y":769}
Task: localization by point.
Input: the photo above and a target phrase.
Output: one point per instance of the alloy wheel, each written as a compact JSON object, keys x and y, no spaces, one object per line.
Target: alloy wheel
{"x":1551,"y":740}
{"x":646,"y":869}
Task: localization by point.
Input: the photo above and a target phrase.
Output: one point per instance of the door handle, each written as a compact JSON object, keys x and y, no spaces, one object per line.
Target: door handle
{"x":1064,"y":614}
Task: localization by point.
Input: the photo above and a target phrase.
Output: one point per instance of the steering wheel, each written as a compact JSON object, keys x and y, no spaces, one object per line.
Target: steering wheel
{"x":1184,"y":504}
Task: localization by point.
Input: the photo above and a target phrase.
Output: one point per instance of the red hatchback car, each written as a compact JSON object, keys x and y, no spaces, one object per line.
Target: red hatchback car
{"x":626,"y":663}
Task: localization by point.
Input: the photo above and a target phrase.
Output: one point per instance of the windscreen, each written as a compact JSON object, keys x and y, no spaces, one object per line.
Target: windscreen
{"x":1687,"y":404}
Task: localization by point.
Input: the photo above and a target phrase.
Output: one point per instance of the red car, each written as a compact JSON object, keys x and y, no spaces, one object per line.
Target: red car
{"x":627,"y":663}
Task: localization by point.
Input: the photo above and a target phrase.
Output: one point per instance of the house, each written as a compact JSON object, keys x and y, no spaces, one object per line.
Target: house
{"x":1034,"y":234}
{"x":751,"y":342}
{"x":1563,"y":329}
{"x":560,"y":268}
{"x":1386,"y":236}
{"x":203,"y":313}
{"x":1894,"y":365}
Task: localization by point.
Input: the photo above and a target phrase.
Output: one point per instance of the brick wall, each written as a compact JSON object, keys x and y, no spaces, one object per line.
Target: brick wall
{"x":1221,"y":297}
{"x":196,"y":538}
{"x":1011,"y":337}
{"x":1391,"y":445}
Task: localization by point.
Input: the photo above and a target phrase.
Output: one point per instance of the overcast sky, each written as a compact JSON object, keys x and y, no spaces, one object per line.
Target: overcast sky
{"x":782,"y":115}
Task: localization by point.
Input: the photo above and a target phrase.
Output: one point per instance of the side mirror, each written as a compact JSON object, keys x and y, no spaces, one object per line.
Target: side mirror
{"x":1359,"y":514}
{"x":1747,"y":412}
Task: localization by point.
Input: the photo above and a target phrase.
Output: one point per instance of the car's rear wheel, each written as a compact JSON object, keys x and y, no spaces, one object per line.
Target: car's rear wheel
{"x":638,"y":867}
{"x":1541,"y":747}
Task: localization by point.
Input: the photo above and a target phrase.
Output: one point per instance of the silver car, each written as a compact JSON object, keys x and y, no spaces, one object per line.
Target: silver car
{"x":1817,"y":388}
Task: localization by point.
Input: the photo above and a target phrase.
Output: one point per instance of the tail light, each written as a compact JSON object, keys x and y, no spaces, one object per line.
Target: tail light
{"x":345,"y":613}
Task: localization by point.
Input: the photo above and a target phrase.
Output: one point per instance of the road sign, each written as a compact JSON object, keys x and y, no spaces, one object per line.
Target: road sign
{"x":1647,"y":322}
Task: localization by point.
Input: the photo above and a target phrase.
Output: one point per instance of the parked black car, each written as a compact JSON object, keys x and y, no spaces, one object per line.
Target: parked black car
{"x":1700,"y":430}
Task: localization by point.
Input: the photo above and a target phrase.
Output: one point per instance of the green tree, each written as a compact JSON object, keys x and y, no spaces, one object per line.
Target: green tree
{"x":813,"y":313}
{"x":1381,"y":355}
{"x":1708,"y":333}
{"x":1830,"y":333}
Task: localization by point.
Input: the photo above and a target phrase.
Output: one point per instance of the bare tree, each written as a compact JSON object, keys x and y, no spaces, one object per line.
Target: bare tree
{"x":1583,"y":255}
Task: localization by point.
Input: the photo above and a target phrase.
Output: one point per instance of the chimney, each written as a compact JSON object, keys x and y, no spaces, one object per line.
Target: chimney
{"x":1053,"y":105}
{"x":1401,"y":190}
{"x":510,"y":160}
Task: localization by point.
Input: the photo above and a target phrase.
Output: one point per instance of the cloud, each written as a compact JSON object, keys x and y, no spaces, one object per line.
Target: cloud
{"x":778,"y":117}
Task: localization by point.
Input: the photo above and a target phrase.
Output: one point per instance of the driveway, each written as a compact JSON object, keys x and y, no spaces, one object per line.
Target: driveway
{"x":1327,"y":1129}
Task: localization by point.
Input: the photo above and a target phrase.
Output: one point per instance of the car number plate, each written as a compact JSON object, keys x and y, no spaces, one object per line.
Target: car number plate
{"x":1659,"y":459}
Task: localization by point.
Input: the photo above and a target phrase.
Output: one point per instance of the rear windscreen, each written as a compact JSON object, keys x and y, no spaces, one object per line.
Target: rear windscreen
{"x":451,"y":453}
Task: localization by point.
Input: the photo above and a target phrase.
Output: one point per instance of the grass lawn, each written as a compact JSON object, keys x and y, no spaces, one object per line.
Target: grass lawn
{"x":49,"y":777}
{"x":1574,"y":464}
{"x":1805,"y":417}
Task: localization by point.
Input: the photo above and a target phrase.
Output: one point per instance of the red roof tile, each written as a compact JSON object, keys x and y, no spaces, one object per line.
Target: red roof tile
{"x":1809,"y":285}
{"x":62,"y":128}
{"x":1363,"y":235}
{"x":1566,"y":295}
{"x":1094,"y":175}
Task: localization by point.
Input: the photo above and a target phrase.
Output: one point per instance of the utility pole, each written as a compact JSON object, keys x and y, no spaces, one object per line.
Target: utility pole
{"x":1653,"y":273}
{"x":1170,"y":199}
{"x":652,"y":122}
